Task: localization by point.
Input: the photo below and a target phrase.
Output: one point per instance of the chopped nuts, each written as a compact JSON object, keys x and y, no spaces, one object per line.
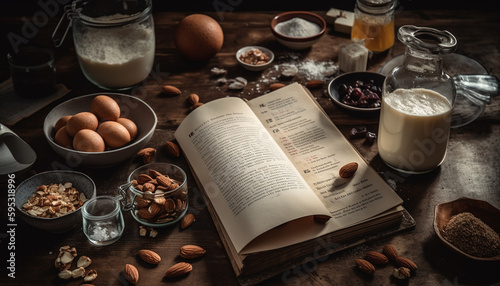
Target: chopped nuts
{"x":254,"y":57}
{"x":90,"y":276}
{"x":54,"y":200}
{"x":401,"y":273}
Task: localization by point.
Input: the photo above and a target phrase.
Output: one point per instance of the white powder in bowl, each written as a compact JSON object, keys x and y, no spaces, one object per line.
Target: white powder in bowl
{"x":297,"y":28}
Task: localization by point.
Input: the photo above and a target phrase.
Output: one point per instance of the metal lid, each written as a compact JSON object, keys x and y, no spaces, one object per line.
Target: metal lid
{"x":376,"y":6}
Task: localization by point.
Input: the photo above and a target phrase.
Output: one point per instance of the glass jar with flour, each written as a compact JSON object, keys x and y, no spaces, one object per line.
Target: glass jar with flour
{"x":114,"y":41}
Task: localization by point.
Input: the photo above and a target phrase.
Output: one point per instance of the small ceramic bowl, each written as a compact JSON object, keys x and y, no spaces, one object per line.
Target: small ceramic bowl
{"x":350,"y":79}
{"x":252,"y":67}
{"x":484,"y":211}
{"x":296,"y":43}
{"x":82,"y":183}
{"x":131,"y":107}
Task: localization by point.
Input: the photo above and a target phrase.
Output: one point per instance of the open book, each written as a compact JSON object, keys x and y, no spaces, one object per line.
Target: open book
{"x":266,"y":167}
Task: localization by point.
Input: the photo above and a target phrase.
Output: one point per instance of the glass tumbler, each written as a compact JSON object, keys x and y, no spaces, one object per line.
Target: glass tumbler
{"x":103,"y":220}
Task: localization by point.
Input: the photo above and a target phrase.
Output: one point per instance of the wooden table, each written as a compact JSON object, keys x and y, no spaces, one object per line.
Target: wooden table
{"x":471,"y":168}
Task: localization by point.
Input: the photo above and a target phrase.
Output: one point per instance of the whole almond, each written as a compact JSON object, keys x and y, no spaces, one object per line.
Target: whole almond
{"x":143,"y":178}
{"x":192,"y":251}
{"x":149,"y":256}
{"x":405,"y":262}
{"x":193,"y":98}
{"x":179,"y":269}
{"x":145,"y":213}
{"x":348,"y":170}
{"x":131,"y":274}
{"x":172,"y":149}
{"x":147,"y":155}
{"x":390,"y":252}
{"x":376,"y":257}
{"x":276,"y":85}
{"x":365,"y":266}
{"x":170,"y":90}
{"x":314,"y":83}
{"x":164,"y":180}
{"x":187,"y":220}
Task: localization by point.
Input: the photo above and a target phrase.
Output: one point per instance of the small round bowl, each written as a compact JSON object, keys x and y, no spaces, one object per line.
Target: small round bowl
{"x":83,"y":184}
{"x":484,"y":211}
{"x":131,"y":107}
{"x":295,"y":43}
{"x":349,"y":79}
{"x":251,"y":67}
{"x":161,"y":207}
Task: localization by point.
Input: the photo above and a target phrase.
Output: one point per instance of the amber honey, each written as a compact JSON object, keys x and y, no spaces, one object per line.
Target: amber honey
{"x":374,"y":24}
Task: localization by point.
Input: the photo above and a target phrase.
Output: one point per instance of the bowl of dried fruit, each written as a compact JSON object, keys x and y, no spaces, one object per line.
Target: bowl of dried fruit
{"x":52,"y":200}
{"x":469,"y":227}
{"x":360,"y":92}
{"x":255,"y":58}
{"x":156,"y":194}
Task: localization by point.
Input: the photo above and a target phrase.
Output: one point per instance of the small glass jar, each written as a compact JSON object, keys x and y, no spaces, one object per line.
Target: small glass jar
{"x":103,"y":220}
{"x":374,"y":24}
{"x":417,"y":103}
{"x":156,"y":194}
{"x":114,"y":41}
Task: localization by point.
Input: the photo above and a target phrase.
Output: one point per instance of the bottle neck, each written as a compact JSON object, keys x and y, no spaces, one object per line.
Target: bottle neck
{"x":422,"y":62}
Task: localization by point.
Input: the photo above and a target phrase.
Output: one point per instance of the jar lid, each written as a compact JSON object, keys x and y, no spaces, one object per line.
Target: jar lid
{"x":109,"y":13}
{"x":376,"y":6}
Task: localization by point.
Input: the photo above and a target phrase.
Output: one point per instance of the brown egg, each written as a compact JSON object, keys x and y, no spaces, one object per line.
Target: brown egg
{"x":87,"y":140}
{"x":130,"y":125}
{"x":63,"y":139}
{"x":198,"y":37}
{"x":105,"y":108}
{"x":61,"y":122}
{"x":114,"y":134}
{"x":82,"y":120}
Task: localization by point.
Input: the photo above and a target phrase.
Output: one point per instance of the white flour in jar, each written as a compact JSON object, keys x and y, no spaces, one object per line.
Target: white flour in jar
{"x":119,"y":57}
{"x":297,"y":28}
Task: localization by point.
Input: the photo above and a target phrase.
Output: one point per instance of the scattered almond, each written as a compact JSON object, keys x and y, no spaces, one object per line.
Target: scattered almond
{"x":83,"y":261}
{"x":192,"y":251}
{"x":390,"y":252}
{"x":365,"y":266}
{"x":314,"y":83}
{"x":193,"y":98}
{"x":405,"y":262}
{"x":147,"y":155}
{"x":276,"y":85}
{"x":149,"y":256}
{"x":179,"y":269}
{"x":187,"y":220}
{"x":170,"y":90}
{"x":376,"y":257}
{"x":90,"y":276}
{"x":172,"y":149}
{"x":401,"y":273}
{"x":348,"y":170}
{"x":131,"y":274}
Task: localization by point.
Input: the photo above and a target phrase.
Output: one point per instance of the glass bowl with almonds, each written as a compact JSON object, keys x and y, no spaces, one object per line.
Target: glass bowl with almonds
{"x":156,"y":194}
{"x":52,"y":200}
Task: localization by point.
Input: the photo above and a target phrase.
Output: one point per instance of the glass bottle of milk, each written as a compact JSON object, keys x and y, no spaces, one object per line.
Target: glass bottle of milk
{"x":417,"y":102}
{"x":114,"y":41}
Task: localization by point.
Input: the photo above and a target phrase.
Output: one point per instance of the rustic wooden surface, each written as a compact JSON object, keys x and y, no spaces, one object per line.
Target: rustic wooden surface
{"x":471,"y":168}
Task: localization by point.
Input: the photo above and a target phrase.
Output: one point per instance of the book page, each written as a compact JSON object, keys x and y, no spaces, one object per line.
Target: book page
{"x":318,"y":150}
{"x":247,"y":177}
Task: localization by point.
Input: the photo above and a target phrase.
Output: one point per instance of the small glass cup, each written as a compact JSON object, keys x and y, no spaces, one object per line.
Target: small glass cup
{"x":151,"y":201}
{"x":103,"y":220}
{"x":33,"y":72}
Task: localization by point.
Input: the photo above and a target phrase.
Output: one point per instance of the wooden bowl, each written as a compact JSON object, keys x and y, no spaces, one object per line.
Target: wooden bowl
{"x":489,"y":214}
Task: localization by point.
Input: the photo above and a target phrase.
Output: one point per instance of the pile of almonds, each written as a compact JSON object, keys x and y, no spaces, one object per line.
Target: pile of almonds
{"x":131,"y":273}
{"x":405,"y":267}
{"x":64,"y":261}
{"x":152,"y":204}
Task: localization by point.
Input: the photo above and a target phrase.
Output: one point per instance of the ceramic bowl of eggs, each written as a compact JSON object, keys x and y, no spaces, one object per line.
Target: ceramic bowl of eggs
{"x":99,"y":130}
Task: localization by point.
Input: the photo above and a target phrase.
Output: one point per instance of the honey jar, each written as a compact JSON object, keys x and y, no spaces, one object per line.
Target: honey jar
{"x":374,"y":24}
